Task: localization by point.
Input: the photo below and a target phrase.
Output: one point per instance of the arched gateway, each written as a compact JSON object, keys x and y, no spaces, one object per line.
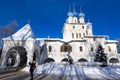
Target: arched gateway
{"x":113,"y":60}
{"x":16,"y":56}
{"x":20,"y":48}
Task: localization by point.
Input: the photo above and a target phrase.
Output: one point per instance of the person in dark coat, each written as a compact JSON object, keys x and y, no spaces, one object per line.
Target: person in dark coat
{"x":32,"y":67}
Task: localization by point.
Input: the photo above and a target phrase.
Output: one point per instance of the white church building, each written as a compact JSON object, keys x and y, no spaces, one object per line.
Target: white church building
{"x":78,"y":40}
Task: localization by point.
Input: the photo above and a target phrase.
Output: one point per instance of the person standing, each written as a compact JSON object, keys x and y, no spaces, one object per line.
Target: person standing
{"x":32,"y":67}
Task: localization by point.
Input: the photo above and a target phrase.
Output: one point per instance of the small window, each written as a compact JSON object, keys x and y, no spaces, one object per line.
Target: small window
{"x":81,"y":49}
{"x":75,"y":21}
{"x":94,"y":39}
{"x":79,"y":35}
{"x":72,"y":35}
{"x":73,"y":27}
{"x":86,"y":32}
{"x":82,"y":27}
{"x":50,"y":48}
{"x":109,"y":48}
{"x":83,"y":34}
{"x":76,"y":35}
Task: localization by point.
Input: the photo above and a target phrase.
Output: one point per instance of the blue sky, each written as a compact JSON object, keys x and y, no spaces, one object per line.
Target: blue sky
{"x":48,"y":16}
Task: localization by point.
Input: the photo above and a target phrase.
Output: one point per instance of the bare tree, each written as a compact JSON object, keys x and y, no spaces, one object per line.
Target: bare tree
{"x":8,"y":30}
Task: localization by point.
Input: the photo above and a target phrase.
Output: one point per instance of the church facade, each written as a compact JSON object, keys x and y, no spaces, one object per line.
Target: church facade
{"x":78,"y":41}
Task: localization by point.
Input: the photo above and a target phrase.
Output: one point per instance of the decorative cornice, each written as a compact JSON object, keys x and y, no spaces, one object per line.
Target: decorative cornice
{"x":65,"y":41}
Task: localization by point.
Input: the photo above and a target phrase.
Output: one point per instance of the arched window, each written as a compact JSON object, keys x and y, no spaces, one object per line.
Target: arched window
{"x":83,"y":34}
{"x":73,"y":27}
{"x":66,"y":48}
{"x":109,"y":48}
{"x":94,"y":39}
{"x":81,"y":49}
{"x":50,"y":48}
{"x":76,"y":35}
{"x":75,"y":21}
{"x":82,"y":27}
{"x":86,"y":32}
{"x":72,"y":35}
{"x":79,"y":35}
{"x":62,"y":48}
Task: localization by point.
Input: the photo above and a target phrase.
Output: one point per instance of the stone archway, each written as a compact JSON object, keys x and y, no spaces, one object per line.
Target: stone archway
{"x":82,"y":60}
{"x":16,"y":56}
{"x":114,"y":60}
{"x":48,"y":60}
{"x":65,"y":59}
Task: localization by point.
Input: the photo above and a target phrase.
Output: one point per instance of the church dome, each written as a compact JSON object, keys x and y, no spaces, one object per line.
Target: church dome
{"x":81,"y":14}
{"x":75,"y":14}
{"x":70,"y":14}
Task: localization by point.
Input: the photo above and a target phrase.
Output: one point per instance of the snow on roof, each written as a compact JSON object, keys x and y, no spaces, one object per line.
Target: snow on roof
{"x":96,"y":36}
{"x":40,"y":42}
{"x":113,"y":41}
{"x":24,"y":33}
{"x":58,"y":39}
{"x":48,"y":39}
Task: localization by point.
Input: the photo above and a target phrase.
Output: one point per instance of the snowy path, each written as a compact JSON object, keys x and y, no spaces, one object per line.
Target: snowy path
{"x":55,"y":71}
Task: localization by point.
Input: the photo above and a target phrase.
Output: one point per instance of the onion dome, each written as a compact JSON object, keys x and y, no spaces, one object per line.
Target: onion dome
{"x":81,"y":14}
{"x":70,"y":13}
{"x":75,"y":14}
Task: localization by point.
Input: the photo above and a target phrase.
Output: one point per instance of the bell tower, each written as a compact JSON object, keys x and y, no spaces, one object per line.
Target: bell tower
{"x":75,"y":27}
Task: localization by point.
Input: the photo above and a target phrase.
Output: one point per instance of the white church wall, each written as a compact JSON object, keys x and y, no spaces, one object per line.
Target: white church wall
{"x":111,"y":48}
{"x":55,"y":50}
{"x":76,"y":53}
{"x":75,"y":29}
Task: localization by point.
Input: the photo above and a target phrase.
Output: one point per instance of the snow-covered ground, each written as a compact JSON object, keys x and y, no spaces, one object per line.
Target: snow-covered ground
{"x":2,"y":68}
{"x":77,"y":72}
